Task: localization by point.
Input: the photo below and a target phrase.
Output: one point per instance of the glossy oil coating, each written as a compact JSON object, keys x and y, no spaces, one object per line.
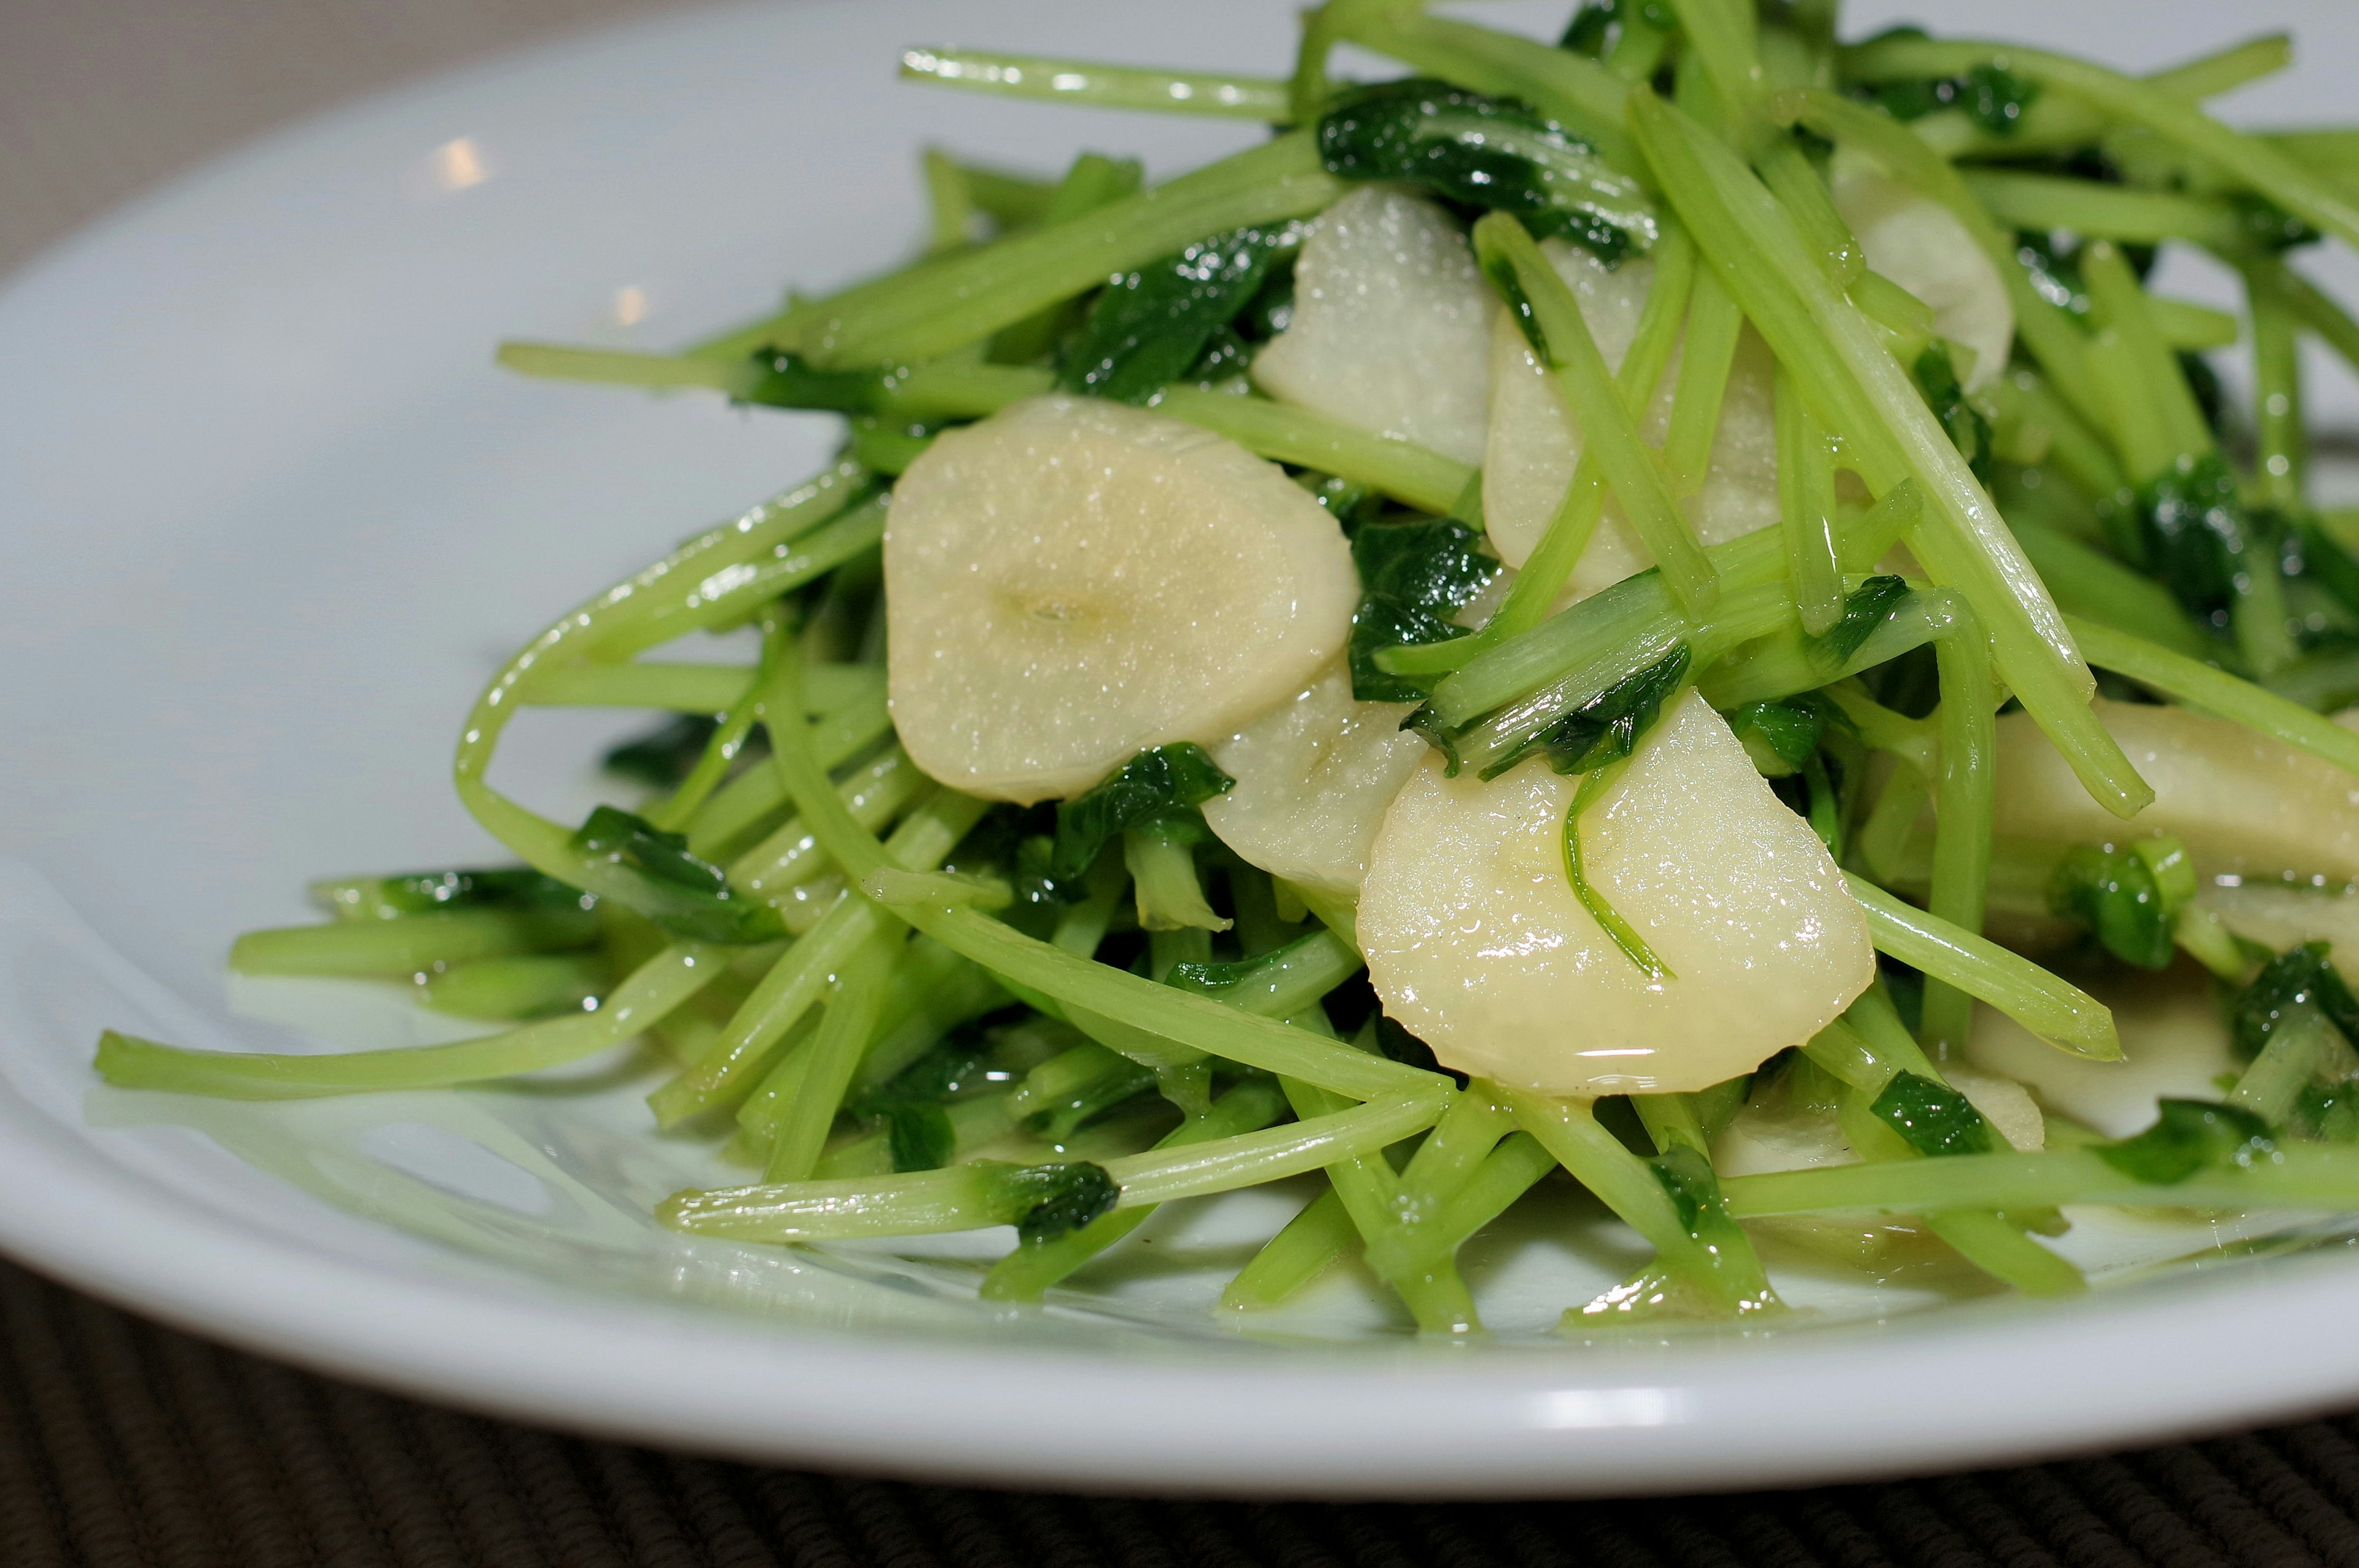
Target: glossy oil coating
{"x":2243,"y":804}
{"x":1477,"y":943}
{"x":1391,"y":324}
{"x":1071,"y":580}
{"x":1315,"y":775}
{"x":1920,"y":244}
{"x":1533,"y":446}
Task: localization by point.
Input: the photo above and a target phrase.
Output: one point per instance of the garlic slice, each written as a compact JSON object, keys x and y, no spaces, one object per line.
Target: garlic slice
{"x":1920,"y":244}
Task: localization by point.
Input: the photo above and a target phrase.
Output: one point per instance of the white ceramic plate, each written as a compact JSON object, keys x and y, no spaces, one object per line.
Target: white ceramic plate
{"x":270,"y":518}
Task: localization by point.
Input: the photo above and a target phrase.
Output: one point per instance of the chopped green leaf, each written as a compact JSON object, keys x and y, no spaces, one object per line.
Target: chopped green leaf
{"x":426,"y":893}
{"x":1934,"y":1119}
{"x":1990,"y":95}
{"x":1608,"y":727}
{"x":1487,"y":152}
{"x":921,"y":1137}
{"x":2188,"y":1136}
{"x":1149,"y":327}
{"x":1865,"y":608}
{"x":2300,"y":977}
{"x":1413,"y":575}
{"x":1969,"y":431}
{"x":2188,"y":528}
{"x":661,"y":758}
{"x":687,"y":896}
{"x":783,"y":381}
{"x":1159,"y":788}
{"x":1778,"y":736}
{"x":1063,"y":1197}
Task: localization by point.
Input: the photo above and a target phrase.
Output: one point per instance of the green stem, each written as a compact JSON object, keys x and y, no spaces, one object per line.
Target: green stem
{"x":1311,"y":1242}
{"x":655,"y":989}
{"x":789,"y":858}
{"x":2282,"y":457}
{"x":2045,"y":203}
{"x":1414,"y":475}
{"x":1577,"y":93}
{"x":1805,"y":496}
{"x":1962,"y":796}
{"x":1714,"y":324}
{"x":2297,"y":1175}
{"x":397,"y":949}
{"x":843,"y":1033}
{"x":2062,"y":1014}
{"x":1100,"y":86}
{"x":2207,"y":691}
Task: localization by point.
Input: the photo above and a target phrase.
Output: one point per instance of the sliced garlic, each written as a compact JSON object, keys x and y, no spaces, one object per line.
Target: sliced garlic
{"x":1920,"y":244}
{"x":1391,"y":324}
{"x":1071,"y":581}
{"x":1314,"y":777}
{"x":2243,"y":804}
{"x":1532,"y":449}
{"x":1477,"y":943}
{"x":2006,"y":1105}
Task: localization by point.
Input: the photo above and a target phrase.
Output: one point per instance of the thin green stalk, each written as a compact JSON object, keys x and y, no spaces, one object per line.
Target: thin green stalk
{"x":1569,"y":1132}
{"x":2299,"y":1049}
{"x":1853,"y":382}
{"x":843,"y":1033}
{"x":2249,"y":159}
{"x":2197,"y":685}
{"x":1025,"y":1274}
{"x":1100,"y":86}
{"x":397,"y":949}
{"x":519,"y":987}
{"x":790,"y":856}
{"x":2119,"y":303}
{"x":2281,"y":459}
{"x":1962,"y":796}
{"x":2062,"y":1014}
{"x":1796,"y":181}
{"x":1577,"y":93}
{"x":1714,"y":323}
{"x":2091,"y":585}
{"x":2315,"y":310}
{"x":1620,"y":932}
{"x":950,"y":206}
{"x":652,"y":990}
{"x":944,"y":305}
{"x":677,"y":810}
{"x":748,"y":802}
{"x":1561,"y":340}
{"x":1371,"y":1194}
{"x":1507,"y":1173}
{"x":1198,"y":1170}
{"x":681,"y":687}
{"x":2050,"y":334}
{"x":1296,"y":1255}
{"x":1806,"y":507}
{"x":1414,"y":475}
{"x":2047,"y":202}
{"x":2296,"y":1175}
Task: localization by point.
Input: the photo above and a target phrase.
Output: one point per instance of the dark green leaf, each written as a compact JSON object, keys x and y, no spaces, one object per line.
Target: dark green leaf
{"x":426,"y":892}
{"x":1608,"y":727}
{"x":2187,"y":529}
{"x":1485,"y":152}
{"x":1159,"y":788}
{"x":1149,"y":327}
{"x":1061,"y":1198}
{"x":2188,"y":1136}
{"x":786,"y":382}
{"x":1934,"y":1119}
{"x":2299,"y":977}
{"x":2269,"y":227}
{"x":687,"y":896}
{"x":1413,"y":575}
{"x":921,"y":1137}
{"x":1992,"y":96}
{"x":1865,"y":608}
{"x":1778,"y":736}
{"x":663,"y":757}
{"x":1936,"y":378}
{"x":1428,"y":723}
{"x":2112,"y":894}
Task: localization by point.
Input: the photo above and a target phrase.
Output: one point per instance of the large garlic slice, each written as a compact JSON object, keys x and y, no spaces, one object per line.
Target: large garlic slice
{"x":2243,"y":804}
{"x":1071,"y":581}
{"x":2173,"y":1045}
{"x":1532,"y":450}
{"x":1920,"y":244}
{"x":1477,"y":943}
{"x":1314,"y":777}
{"x":1391,"y":324}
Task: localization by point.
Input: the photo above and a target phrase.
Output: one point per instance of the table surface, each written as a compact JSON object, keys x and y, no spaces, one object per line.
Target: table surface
{"x":126,"y":1444}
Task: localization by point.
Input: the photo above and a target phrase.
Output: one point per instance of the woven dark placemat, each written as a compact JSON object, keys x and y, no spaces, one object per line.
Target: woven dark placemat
{"x":122,"y":1444}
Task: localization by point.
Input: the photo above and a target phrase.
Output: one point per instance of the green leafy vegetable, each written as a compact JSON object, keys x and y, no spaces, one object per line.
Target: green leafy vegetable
{"x":426,"y":893}
{"x":1608,"y":727}
{"x":1934,"y":1119}
{"x":1151,"y":326}
{"x":1063,"y":1197}
{"x":783,"y":381}
{"x":1412,"y":575}
{"x":2122,"y":897}
{"x":2188,"y":528}
{"x":1487,"y":152}
{"x":2188,"y":1137}
{"x":1160,"y":788}
{"x":689,"y":897}
{"x":1780,"y":737}
{"x":2300,"y":977}
{"x":1990,"y":95}
{"x":1865,"y":608}
{"x":1969,"y":431}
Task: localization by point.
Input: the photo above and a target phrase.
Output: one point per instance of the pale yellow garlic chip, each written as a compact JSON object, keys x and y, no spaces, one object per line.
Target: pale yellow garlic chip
{"x":1777,"y":1136}
{"x":2174,"y":1045}
{"x":1071,"y":581}
{"x":1920,"y":244}
{"x":1314,"y":777}
{"x":1391,"y":324}
{"x":2280,"y":915}
{"x":1533,"y":447}
{"x":2243,"y":804}
{"x":1477,"y":943}
{"x":2006,"y":1105}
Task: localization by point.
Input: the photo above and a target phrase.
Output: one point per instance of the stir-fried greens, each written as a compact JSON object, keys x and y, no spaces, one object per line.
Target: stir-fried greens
{"x":1620,"y":606}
